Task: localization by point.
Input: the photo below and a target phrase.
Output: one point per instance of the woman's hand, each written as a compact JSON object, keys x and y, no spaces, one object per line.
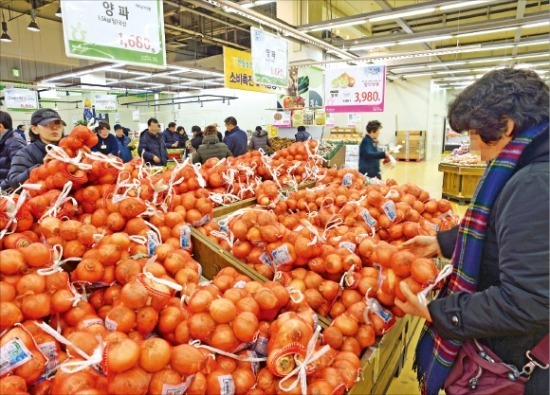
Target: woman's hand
{"x":412,"y":305}
{"x":423,"y":246}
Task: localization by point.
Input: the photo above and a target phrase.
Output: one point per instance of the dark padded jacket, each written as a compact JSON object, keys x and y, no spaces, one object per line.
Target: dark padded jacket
{"x":110,"y":143}
{"x":211,"y":148}
{"x":151,"y":145}
{"x":170,"y":138}
{"x":302,"y":136}
{"x":25,"y":160}
{"x":10,"y":143}
{"x":369,"y":158}
{"x":509,"y":311}
{"x":237,"y":141}
{"x":196,"y":141}
{"x":259,"y":140}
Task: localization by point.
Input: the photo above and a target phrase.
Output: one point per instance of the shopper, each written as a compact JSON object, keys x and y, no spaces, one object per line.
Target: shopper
{"x":235,"y":138}
{"x":107,"y":143}
{"x":196,"y":140}
{"x":259,"y":140}
{"x":151,"y":145}
{"x":10,"y":143}
{"x":369,"y":155}
{"x":46,"y":128}
{"x":211,"y":147}
{"x":170,"y":136}
{"x":183,"y":138}
{"x":303,"y":134}
{"x":124,"y":144}
{"x":498,"y":291}
{"x":21,"y":130}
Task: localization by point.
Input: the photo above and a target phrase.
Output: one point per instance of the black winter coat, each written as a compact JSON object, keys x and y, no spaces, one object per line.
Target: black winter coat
{"x":237,"y":141}
{"x":152,"y":145}
{"x":509,"y":311}
{"x":369,"y":158}
{"x":197,"y":141}
{"x":170,"y":138}
{"x":25,"y":160}
{"x":10,"y":143}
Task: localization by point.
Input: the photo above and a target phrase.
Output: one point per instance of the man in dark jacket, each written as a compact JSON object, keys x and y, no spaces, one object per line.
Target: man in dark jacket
{"x":46,"y":128}
{"x":369,"y":155}
{"x":211,"y":147}
{"x":235,"y":139}
{"x":170,"y":136}
{"x":196,"y":140}
{"x":259,"y":140}
{"x":10,"y":143}
{"x":21,"y":130}
{"x":151,"y":145}
{"x":302,"y":134}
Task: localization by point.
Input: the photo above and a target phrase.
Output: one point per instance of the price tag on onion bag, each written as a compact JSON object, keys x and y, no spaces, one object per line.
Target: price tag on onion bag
{"x":185,"y":237}
{"x":374,"y":307}
{"x":281,"y":256}
{"x":261,"y":346}
{"x":227,"y":385}
{"x":389,"y":209}
{"x":266,"y":259}
{"x":177,"y":389}
{"x":240,"y":284}
{"x":13,"y":354}
{"x":152,"y":242}
{"x":92,"y":321}
{"x":347,"y":180}
{"x":50,"y":352}
{"x":203,"y":221}
{"x":348,"y":245}
{"x":368,"y":218}
{"x":110,"y":324}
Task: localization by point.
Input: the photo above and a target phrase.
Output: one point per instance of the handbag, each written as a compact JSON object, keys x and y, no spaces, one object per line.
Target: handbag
{"x":478,"y":370}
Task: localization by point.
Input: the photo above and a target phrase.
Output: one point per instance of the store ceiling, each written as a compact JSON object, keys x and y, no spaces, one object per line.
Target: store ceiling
{"x":451,"y":41}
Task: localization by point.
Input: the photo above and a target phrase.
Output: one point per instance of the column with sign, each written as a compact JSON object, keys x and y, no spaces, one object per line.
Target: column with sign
{"x":116,"y":31}
{"x":357,"y":89}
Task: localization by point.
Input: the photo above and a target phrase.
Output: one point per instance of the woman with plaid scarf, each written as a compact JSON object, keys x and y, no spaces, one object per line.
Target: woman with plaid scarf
{"x":498,"y":290}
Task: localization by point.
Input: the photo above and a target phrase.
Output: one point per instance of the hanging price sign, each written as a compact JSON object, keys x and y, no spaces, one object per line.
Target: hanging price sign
{"x":20,"y":99}
{"x":269,"y":58}
{"x":115,"y":31}
{"x":356,"y":89}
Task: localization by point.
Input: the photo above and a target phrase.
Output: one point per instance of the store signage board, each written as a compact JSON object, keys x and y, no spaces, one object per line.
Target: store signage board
{"x":269,"y":58}
{"x":105,"y":102}
{"x":282,"y":118}
{"x":131,"y":32}
{"x":355,"y":89}
{"x":20,"y":99}
{"x":238,"y":72}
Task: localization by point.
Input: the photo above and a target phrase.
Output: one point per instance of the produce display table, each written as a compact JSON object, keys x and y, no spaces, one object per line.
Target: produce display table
{"x":459,"y":182}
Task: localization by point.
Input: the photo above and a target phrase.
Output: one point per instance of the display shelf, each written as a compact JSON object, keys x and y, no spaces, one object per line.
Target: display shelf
{"x":413,"y":143}
{"x":344,"y":134}
{"x":460,"y":182}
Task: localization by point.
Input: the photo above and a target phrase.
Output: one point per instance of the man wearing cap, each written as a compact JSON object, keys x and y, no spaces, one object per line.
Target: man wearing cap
{"x":46,"y":128}
{"x":10,"y":143}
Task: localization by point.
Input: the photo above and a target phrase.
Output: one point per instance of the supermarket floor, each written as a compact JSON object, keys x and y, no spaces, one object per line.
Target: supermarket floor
{"x":426,"y":175}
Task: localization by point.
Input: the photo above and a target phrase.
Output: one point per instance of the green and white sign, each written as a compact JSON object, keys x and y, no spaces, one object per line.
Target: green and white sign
{"x":269,"y":58}
{"x":116,"y":31}
{"x":20,"y":99}
{"x":105,"y":102}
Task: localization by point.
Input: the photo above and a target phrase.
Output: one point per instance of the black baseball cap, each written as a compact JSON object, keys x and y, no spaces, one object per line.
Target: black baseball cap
{"x":44,"y":116}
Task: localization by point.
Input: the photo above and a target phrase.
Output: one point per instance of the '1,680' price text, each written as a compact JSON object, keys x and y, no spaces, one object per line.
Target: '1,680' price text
{"x":133,"y":41}
{"x":361,"y":97}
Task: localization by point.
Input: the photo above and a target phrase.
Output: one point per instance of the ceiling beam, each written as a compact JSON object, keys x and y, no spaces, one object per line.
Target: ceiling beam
{"x":519,"y":14}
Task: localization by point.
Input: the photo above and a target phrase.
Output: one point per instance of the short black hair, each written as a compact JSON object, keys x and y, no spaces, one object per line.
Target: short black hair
{"x":117,"y":126}
{"x":20,"y":126}
{"x":171,"y":125}
{"x":258,"y":128}
{"x":373,"y":126}
{"x":152,"y":120}
{"x":179,"y":128}
{"x":102,"y":125}
{"x":230,"y":121}
{"x":195,"y":129}
{"x":301,"y":128}
{"x":5,"y":119}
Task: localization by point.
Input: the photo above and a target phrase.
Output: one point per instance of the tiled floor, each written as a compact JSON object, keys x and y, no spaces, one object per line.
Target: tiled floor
{"x":425,"y":175}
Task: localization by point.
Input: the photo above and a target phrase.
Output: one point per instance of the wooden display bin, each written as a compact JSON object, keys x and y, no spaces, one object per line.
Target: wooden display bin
{"x":460,"y":182}
{"x":338,"y":159}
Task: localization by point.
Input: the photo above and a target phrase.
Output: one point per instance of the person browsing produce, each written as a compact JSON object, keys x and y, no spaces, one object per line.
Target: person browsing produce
{"x":46,"y":128}
{"x":170,"y":136}
{"x":498,"y":291}
{"x":369,"y":155}
{"x":151,"y":145}
{"x":211,"y":147}
{"x":235,"y":138}
{"x":124,"y":144}
{"x":10,"y":143}
{"x":259,"y":140}
{"x":107,"y":143}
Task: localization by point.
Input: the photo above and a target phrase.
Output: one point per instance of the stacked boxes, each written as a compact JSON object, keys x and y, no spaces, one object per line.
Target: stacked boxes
{"x":413,"y":142}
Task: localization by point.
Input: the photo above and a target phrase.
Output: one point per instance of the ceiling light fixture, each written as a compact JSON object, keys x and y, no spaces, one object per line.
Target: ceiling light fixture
{"x":536,"y":24}
{"x":403,"y":14}
{"x":371,"y":46}
{"x":424,"y":40}
{"x":464,"y":4}
{"x":257,"y":3}
{"x":33,"y":26}
{"x":335,"y":26}
{"x":5,"y":36}
{"x":504,"y":29}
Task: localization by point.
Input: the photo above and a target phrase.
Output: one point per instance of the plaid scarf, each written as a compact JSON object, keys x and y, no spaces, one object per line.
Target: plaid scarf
{"x":435,"y":356}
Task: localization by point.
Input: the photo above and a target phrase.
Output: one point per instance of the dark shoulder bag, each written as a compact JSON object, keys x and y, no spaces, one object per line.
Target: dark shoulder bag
{"x":477,"y":370}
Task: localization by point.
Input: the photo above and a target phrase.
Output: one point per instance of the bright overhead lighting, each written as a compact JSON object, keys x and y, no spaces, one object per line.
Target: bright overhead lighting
{"x":536,"y":24}
{"x":464,"y":4}
{"x":489,"y":60}
{"x":337,"y":25}
{"x":403,"y":14}
{"x":258,"y":3}
{"x":424,"y":40}
{"x":371,"y":46}
{"x":504,"y":29}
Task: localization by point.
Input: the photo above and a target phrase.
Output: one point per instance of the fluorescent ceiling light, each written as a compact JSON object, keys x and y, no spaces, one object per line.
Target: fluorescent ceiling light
{"x":445,"y":64}
{"x":403,"y":14}
{"x":371,"y":46}
{"x":504,"y":29}
{"x":424,"y":40}
{"x":464,"y":4}
{"x":337,"y":25}
{"x":257,"y":3}
{"x":537,"y":55}
{"x":536,"y":24}
{"x":488,"y":60}
{"x":534,"y":42}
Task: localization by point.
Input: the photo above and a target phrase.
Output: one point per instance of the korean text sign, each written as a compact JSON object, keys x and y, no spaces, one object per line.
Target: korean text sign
{"x":355,"y":89}
{"x":105,"y":102}
{"x":21,"y":99}
{"x":238,"y":72}
{"x":269,"y":58}
{"x":117,"y":31}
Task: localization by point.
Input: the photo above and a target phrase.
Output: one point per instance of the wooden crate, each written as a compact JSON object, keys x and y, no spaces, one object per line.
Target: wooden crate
{"x":460,"y":182}
{"x":470,"y":179}
{"x":451,"y":179}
